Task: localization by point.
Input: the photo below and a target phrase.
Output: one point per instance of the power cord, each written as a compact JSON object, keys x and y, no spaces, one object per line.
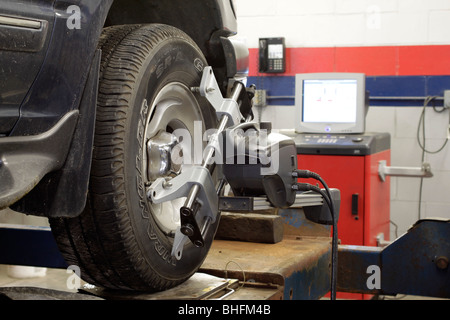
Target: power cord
{"x":306,"y":174}
{"x":422,"y":124}
{"x":422,"y":145}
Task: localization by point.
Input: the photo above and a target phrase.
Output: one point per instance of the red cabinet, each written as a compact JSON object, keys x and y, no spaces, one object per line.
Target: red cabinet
{"x":350,"y":164}
{"x":364,"y":210}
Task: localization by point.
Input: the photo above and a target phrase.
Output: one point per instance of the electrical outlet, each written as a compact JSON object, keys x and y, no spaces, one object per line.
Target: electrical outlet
{"x":260,"y":99}
{"x":447,"y":99}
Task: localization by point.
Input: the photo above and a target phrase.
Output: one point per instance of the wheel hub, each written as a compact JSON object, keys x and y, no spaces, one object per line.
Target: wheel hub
{"x":159,"y":152}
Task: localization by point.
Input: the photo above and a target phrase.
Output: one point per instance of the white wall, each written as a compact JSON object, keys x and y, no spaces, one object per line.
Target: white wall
{"x":329,"y":23}
{"x":345,"y":22}
{"x":402,"y":124}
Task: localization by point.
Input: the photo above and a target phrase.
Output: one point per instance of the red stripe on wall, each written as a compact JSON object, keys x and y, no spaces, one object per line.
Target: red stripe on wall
{"x":373,"y":61}
{"x":428,"y":60}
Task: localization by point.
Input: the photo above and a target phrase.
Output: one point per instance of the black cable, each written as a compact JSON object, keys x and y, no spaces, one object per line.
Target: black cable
{"x":328,"y":199}
{"x":423,"y":145}
{"x":396,"y":228}
{"x":422,"y":124}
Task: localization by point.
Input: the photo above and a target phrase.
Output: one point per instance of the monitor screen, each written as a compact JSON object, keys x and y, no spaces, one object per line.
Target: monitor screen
{"x":331,"y":103}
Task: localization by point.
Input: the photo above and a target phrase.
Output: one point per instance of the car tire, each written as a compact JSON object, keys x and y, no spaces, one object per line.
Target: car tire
{"x":122,"y":240}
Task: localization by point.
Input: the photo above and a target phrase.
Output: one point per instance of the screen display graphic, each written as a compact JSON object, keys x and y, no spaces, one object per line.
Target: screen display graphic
{"x":333,"y":101}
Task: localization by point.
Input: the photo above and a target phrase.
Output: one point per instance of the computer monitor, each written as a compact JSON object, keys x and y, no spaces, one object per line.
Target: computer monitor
{"x":331,"y":103}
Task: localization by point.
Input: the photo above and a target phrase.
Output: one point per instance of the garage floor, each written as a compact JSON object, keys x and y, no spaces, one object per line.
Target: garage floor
{"x":56,"y":279}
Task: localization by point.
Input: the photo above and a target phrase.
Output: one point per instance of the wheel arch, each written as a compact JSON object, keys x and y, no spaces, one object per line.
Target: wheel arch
{"x":205,"y":21}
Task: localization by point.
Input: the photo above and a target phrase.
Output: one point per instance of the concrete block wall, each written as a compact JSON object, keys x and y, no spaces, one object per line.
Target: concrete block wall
{"x":404,"y":41}
{"x":345,"y":22}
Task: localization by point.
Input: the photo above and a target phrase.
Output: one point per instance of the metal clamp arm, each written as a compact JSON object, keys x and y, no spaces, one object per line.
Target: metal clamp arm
{"x":200,"y":208}
{"x":421,"y":172}
{"x":224,"y":106}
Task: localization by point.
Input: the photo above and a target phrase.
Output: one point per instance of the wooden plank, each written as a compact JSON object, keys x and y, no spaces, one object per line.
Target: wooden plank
{"x":250,"y":227}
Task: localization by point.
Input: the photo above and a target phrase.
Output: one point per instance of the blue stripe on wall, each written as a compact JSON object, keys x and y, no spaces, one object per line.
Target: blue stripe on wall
{"x":393,"y":91}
